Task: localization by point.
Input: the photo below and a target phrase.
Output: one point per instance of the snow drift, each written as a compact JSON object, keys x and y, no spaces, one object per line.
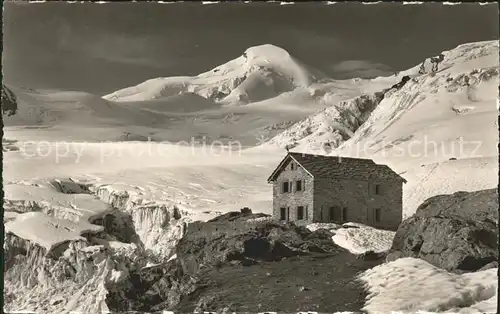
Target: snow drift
{"x":409,"y":285}
{"x":357,"y":238}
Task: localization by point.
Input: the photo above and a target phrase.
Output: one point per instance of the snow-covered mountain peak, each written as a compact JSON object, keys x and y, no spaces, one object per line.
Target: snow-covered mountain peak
{"x":266,"y":51}
{"x":260,"y":73}
{"x":269,"y":56}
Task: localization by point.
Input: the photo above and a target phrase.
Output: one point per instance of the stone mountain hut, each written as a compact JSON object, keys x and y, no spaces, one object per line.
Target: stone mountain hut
{"x":314,"y":188}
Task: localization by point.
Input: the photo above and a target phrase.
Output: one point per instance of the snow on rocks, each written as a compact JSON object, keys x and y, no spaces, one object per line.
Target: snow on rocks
{"x":159,"y":225}
{"x":105,"y":234}
{"x":408,"y":285}
{"x":48,"y":231}
{"x":75,"y":281}
{"x":36,"y":197}
{"x":323,"y":225}
{"x":42,"y":213}
{"x":357,"y":238}
{"x":331,"y":126}
{"x":426,"y":110}
{"x":49,"y":218}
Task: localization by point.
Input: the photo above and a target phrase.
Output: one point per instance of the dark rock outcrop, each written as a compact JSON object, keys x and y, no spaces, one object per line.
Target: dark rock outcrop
{"x":403,"y":81}
{"x":9,"y":102}
{"x":9,"y":145}
{"x":246,"y":210}
{"x":119,"y":226}
{"x":68,"y":186}
{"x":159,"y":285}
{"x":489,"y":266}
{"x":455,"y":232}
{"x":238,"y":237}
{"x":372,"y":256}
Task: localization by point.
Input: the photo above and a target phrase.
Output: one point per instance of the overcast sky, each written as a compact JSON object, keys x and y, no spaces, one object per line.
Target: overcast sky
{"x":99,"y":48}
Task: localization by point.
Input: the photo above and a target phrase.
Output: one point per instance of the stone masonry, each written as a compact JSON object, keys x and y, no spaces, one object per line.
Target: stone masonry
{"x":293,"y":199}
{"x":352,"y":190}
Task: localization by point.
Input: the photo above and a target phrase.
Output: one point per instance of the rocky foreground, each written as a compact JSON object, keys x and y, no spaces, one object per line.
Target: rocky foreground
{"x":240,"y":262}
{"x":248,"y":263}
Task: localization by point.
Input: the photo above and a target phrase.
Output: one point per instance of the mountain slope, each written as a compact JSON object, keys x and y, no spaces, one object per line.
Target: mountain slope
{"x":439,"y":130}
{"x":464,"y":87}
{"x":75,"y":108}
{"x":464,"y":91}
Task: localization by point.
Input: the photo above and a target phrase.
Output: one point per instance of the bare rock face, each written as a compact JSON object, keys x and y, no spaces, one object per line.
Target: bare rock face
{"x":119,"y":226}
{"x":371,"y":256}
{"x":159,"y":285}
{"x":68,"y":186}
{"x":403,"y":81}
{"x":455,"y":232}
{"x":246,"y":210}
{"x":9,"y":101}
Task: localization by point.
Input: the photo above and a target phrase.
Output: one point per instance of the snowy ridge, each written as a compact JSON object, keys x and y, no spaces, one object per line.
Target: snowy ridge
{"x":262,"y":72}
{"x":353,"y":118}
{"x":440,"y":131}
{"x":273,"y":86}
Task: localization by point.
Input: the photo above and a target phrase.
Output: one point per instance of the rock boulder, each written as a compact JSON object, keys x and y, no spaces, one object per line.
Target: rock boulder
{"x":456,"y":232}
{"x":248,"y":239}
